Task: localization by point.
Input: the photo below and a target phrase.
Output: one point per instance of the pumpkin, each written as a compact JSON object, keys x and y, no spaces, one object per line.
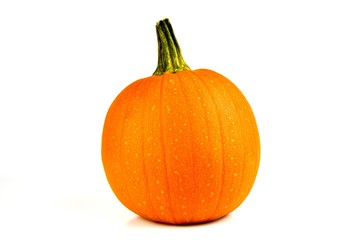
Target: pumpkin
{"x":180,"y":146}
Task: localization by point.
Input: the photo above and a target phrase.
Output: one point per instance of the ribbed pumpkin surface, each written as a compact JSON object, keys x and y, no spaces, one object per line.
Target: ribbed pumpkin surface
{"x":181,"y":147}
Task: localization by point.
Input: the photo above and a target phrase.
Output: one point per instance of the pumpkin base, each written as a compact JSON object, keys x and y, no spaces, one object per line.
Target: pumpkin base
{"x":185,"y":224}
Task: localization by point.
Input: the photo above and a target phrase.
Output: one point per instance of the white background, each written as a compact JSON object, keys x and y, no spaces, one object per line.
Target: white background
{"x":63,"y":62}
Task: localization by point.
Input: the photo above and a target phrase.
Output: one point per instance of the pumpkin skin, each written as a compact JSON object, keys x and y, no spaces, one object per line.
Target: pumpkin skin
{"x":181,"y":147}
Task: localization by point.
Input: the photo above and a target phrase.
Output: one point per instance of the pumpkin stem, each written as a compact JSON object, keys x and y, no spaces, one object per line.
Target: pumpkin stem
{"x":170,"y":58}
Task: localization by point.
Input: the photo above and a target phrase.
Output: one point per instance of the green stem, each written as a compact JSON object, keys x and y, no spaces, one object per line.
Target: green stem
{"x":170,"y":58}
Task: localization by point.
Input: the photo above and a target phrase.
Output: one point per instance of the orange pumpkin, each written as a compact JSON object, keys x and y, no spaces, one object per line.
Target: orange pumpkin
{"x":180,"y":146}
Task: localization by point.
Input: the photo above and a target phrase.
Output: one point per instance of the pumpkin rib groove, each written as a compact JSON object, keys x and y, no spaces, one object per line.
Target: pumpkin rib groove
{"x":238,"y":199}
{"x":121,"y":135}
{"x":256,"y":144}
{"x":222,"y":143}
{"x":145,"y":174}
{"x":206,"y":118}
{"x":240,"y":187}
{"x":189,"y":124}
{"x":161,"y":130}
{"x":132,"y":90}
